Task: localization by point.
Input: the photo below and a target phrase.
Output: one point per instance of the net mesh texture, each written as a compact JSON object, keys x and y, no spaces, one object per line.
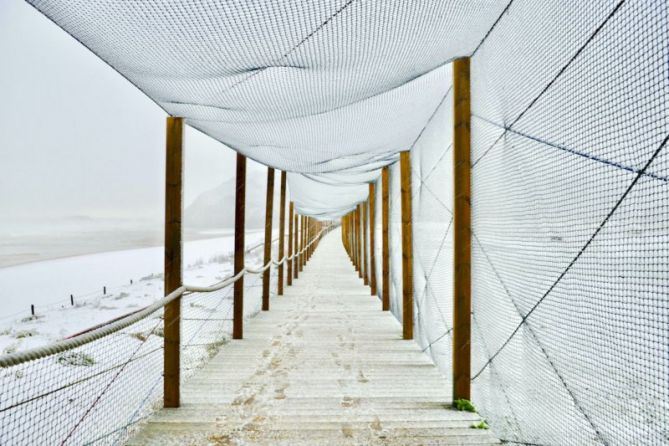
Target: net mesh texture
{"x":570,"y":171}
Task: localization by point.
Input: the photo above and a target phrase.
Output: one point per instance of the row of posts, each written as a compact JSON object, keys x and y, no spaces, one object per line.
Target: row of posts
{"x":302,"y":230}
{"x":361,"y":221}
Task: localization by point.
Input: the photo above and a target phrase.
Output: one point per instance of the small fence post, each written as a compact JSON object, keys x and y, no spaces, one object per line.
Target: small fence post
{"x":407,"y":246}
{"x":72,"y":299}
{"x":289,"y":276}
{"x":282,"y":232}
{"x":269,"y":204}
{"x":372,"y":237}
{"x":32,"y":310}
{"x":461,"y":230}
{"x":104,"y":290}
{"x":240,"y":210}
{"x":173,"y":279}
{"x":385,"y":242}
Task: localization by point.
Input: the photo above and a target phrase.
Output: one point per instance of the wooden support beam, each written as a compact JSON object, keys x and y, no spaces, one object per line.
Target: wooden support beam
{"x":173,"y":256}
{"x":296,"y":261}
{"x":365,"y":264}
{"x":282,"y":232}
{"x":407,"y":246}
{"x":304,"y":238}
{"x":301,"y":245}
{"x":372,"y":238}
{"x":291,"y":246}
{"x":240,"y":211}
{"x":302,"y":242}
{"x":269,"y":204}
{"x":461,"y":230}
{"x":358,"y":238}
{"x":385,"y":241}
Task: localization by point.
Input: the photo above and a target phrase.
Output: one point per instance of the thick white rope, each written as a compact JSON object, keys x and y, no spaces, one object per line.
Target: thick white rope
{"x":63,"y":345}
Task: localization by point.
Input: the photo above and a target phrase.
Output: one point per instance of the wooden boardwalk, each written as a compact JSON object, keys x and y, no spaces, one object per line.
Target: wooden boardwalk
{"x":324,"y":367}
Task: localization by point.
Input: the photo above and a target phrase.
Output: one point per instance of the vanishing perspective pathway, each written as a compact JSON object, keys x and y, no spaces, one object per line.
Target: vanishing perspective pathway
{"x":325,"y":366}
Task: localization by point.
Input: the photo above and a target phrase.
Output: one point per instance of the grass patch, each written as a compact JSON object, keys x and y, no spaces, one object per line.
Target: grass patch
{"x":214,"y":347}
{"x":78,"y":359}
{"x":139,"y":336}
{"x":154,"y":276}
{"x":481,"y":425}
{"x":464,"y":405}
{"x":24,"y":334}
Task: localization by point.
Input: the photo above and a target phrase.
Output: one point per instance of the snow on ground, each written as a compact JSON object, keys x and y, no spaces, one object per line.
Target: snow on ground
{"x":48,"y":285}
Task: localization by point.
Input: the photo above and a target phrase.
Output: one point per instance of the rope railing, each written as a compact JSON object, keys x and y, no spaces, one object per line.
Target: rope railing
{"x":98,"y":385}
{"x":64,"y":345}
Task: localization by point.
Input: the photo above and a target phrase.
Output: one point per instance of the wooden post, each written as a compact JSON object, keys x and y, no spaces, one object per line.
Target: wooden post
{"x":407,"y":246}
{"x":385,"y":242}
{"x":173,"y":279}
{"x":304,"y":239}
{"x":310,"y":234}
{"x":461,"y":230}
{"x":302,"y":230}
{"x":282,"y":232}
{"x":240,"y":207}
{"x":289,"y":275}
{"x":301,"y":258}
{"x":372,"y":238}
{"x":269,"y":204}
{"x":296,"y":264}
{"x":358,"y":227}
{"x":365,"y":265}
{"x":307,"y":235}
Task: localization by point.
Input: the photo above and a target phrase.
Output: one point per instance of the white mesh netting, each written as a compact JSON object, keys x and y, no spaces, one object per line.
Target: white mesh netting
{"x":570,"y":171}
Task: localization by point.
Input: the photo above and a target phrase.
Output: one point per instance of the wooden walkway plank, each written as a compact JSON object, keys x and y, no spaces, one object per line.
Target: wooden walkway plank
{"x":324,"y":367}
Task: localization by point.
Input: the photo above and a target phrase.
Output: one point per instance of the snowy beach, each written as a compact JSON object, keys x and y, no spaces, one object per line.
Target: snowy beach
{"x":48,"y":285}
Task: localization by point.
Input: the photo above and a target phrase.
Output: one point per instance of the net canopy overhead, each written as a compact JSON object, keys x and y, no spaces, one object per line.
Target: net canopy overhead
{"x":328,"y":90}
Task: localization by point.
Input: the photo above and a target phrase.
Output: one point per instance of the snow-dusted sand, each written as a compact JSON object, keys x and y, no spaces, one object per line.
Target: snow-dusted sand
{"x":48,"y":286}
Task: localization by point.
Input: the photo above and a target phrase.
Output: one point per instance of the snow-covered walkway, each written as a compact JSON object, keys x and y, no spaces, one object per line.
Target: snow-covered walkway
{"x":325,"y":366}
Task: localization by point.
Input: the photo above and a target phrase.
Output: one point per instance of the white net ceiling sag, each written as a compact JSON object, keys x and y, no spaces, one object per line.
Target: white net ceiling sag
{"x":330,"y":88}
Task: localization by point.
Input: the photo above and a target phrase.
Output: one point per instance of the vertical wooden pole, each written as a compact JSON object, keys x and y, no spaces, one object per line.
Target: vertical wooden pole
{"x":358,"y":239}
{"x":385,"y":241}
{"x":307,"y":237}
{"x":302,"y":238}
{"x":282,"y":232}
{"x":305,"y":230}
{"x":407,"y":246}
{"x":269,"y":204}
{"x":296,"y":264}
{"x":365,"y":264}
{"x":240,"y":208}
{"x":372,"y":237}
{"x":173,"y":243}
{"x":310,"y":235}
{"x":461,"y":230}
{"x":289,"y":275}
{"x":301,"y":242}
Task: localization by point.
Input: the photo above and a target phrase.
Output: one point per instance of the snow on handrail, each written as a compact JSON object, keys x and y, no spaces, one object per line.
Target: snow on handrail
{"x":14,"y":359}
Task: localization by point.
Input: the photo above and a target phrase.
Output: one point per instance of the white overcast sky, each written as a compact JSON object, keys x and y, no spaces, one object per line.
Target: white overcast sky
{"x":76,"y":138}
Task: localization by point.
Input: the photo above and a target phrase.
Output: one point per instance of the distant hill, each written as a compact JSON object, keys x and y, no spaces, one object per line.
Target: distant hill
{"x":215,"y":208}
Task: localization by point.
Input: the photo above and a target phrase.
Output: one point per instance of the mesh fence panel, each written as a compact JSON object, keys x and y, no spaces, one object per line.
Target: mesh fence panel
{"x":432,"y":203}
{"x":98,"y":393}
{"x":395,"y":241}
{"x":570,"y":202}
{"x":570,"y":222}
